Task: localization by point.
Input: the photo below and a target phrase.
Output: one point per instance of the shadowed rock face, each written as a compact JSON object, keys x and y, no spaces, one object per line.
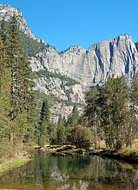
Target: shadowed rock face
{"x":136,"y":45}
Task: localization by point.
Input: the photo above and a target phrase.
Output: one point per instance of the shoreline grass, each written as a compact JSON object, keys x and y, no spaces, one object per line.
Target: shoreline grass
{"x":12,"y":164}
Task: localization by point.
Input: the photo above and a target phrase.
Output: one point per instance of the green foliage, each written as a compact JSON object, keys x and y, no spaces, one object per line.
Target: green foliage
{"x":133,"y":105}
{"x":108,"y":109}
{"x":91,"y":108}
{"x":44,"y":121}
{"x":73,"y":118}
{"x":21,"y":81}
{"x":61,"y":131}
{"x":65,"y":80}
{"x":110,"y":112}
{"x":5,"y":83}
{"x":80,"y":136}
{"x":11,"y":164}
{"x":31,"y":46}
{"x":16,"y":82}
{"x":3,"y":31}
{"x":134,"y":90}
{"x":52,"y":131}
{"x":45,"y":113}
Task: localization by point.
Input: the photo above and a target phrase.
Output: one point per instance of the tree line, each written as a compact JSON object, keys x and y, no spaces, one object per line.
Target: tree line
{"x":24,"y":113}
{"x":16,"y":88}
{"x":110,"y":113}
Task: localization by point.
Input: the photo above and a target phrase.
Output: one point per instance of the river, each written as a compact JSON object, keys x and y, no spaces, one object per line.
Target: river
{"x":47,"y":172}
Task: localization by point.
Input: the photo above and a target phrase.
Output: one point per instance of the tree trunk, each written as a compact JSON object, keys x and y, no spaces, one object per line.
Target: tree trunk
{"x":11,"y":138}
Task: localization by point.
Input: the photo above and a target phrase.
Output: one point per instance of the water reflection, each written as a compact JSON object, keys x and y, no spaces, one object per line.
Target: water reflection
{"x":66,"y":173}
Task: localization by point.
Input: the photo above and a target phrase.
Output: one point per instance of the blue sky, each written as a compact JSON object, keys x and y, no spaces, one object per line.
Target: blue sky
{"x":64,"y":23}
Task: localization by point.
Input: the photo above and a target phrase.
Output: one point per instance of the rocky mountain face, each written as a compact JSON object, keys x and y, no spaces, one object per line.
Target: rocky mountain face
{"x":118,"y":56}
{"x":136,"y":45}
{"x":6,"y":11}
{"x":67,"y":75}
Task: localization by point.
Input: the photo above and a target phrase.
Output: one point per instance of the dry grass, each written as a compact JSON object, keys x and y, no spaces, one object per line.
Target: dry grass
{"x":130,"y":150}
{"x":102,"y":144}
{"x":12,"y":163}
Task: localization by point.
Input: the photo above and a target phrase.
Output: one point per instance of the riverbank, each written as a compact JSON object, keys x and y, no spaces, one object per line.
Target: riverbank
{"x":126,"y":154}
{"x":12,"y":163}
{"x":64,"y":150}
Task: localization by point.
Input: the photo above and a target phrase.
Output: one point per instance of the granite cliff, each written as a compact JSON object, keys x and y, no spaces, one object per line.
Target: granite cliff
{"x":118,"y":56}
{"x":67,"y":75}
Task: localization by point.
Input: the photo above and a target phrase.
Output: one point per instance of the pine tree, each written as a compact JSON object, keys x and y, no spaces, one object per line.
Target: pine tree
{"x":73,"y":118}
{"x":134,"y":90}
{"x":42,"y":128}
{"x":133,"y":110}
{"x":21,"y":82}
{"x":108,"y":109}
{"x":90,"y":109}
{"x":61,"y":131}
{"x":3,"y":31}
{"x":90,"y":114}
{"x":5,"y":82}
{"x":114,"y":111}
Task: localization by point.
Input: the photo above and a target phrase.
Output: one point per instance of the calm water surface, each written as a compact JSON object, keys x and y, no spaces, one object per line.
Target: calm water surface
{"x":66,"y":173}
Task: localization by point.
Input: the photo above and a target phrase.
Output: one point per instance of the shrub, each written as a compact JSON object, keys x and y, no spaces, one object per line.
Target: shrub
{"x":80,"y":136}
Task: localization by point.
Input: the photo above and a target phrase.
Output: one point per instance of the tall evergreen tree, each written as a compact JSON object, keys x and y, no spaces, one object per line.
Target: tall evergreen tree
{"x":133,"y":109}
{"x":90,"y":114}
{"x":108,"y":109}
{"x":73,"y":118}
{"x":114,"y":111}
{"x":42,"y":129}
{"x":21,"y":80}
{"x":134,"y":90}
{"x":5,"y":83}
{"x":3,"y":31}
{"x":61,"y":131}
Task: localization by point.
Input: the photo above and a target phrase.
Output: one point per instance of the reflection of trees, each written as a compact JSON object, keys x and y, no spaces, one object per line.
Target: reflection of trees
{"x":79,"y":185}
{"x":72,"y":173}
{"x":118,"y":176}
